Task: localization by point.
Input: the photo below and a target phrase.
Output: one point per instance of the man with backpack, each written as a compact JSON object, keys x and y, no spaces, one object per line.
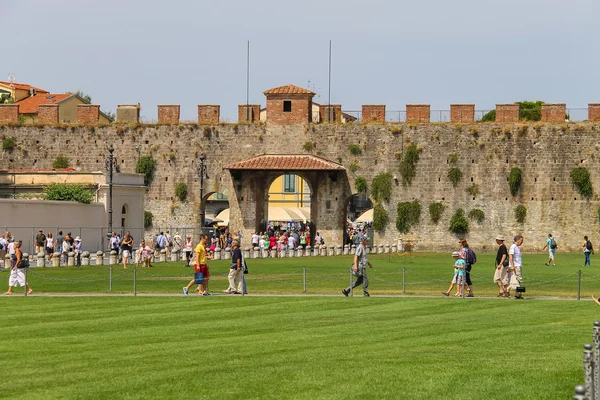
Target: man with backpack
{"x":551,"y":245}
{"x":587,"y":250}
{"x":470,"y":258}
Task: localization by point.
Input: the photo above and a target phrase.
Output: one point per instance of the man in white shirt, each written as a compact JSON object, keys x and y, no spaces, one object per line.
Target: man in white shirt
{"x":291,"y":242}
{"x":255,"y":239}
{"x":515,"y":264}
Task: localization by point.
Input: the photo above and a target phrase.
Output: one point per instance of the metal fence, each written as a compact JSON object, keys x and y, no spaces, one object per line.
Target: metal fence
{"x":591,"y":368}
{"x":574,"y":114}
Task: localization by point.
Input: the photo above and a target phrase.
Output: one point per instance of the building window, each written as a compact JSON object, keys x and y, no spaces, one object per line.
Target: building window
{"x":289,"y":183}
{"x":287,"y":106}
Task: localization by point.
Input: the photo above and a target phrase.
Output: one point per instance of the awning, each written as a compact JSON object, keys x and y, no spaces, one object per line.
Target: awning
{"x":366,"y":216}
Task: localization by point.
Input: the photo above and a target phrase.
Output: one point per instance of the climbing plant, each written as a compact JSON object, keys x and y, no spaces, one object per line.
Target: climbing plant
{"x":380,"y":217}
{"x":580,"y":177}
{"x":148,"y":217}
{"x":181,"y":191}
{"x":355,"y":149}
{"x":473,"y":190}
{"x":520,"y":213}
{"x":455,"y":175}
{"x":360,"y":183}
{"x":408,"y":165}
{"x":409,"y":214}
{"x":514,"y":180}
{"x":459,"y":224}
{"x":146,"y":165}
{"x":381,"y":187}
{"x":477,"y":215}
{"x":61,"y":162}
{"x":436,"y":209}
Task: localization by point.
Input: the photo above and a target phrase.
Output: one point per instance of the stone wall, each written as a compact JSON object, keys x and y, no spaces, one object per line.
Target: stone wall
{"x":546,"y":153}
{"x":9,"y":113}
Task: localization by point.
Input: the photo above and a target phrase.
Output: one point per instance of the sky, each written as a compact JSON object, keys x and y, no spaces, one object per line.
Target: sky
{"x":192,"y":52}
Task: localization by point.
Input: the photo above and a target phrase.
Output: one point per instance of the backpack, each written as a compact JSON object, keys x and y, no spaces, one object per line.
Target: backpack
{"x":588,"y":245}
{"x":471,"y":257}
{"x":552,"y":243}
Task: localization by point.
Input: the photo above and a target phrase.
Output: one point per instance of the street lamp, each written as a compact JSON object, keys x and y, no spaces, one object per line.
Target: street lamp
{"x":201,"y":173}
{"x":110,"y":165}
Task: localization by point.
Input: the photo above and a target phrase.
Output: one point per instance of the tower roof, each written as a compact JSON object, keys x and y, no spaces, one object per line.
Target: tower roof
{"x":288,"y":89}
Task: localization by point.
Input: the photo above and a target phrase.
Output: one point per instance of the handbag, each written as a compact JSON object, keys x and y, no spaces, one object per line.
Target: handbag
{"x":505,"y":262}
{"x":245,"y":268}
{"x":198,"y":278}
{"x":24,"y":263}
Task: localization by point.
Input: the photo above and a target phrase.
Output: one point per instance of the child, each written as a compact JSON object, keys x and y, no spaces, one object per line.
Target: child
{"x":459,"y":268}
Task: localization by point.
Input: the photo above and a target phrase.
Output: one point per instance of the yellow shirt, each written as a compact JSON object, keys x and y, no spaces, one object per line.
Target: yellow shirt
{"x":201,"y":252}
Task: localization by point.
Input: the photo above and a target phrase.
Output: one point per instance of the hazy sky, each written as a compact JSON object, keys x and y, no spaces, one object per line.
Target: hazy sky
{"x":384,"y":52}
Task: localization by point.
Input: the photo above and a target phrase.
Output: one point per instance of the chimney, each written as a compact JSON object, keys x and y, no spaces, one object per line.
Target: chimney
{"x":32,"y":92}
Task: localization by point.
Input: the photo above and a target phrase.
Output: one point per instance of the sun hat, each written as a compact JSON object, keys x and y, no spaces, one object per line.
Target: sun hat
{"x":78,"y":239}
{"x":455,"y":254}
{"x":500,"y":237}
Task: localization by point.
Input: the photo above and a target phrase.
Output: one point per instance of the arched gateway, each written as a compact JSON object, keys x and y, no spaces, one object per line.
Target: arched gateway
{"x":329,"y":188}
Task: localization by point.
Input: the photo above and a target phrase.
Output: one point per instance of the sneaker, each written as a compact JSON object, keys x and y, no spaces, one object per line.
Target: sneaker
{"x":547,"y":265}
{"x":344,"y":292}
{"x":446,"y":294}
{"x":554,"y":265}
{"x":185,"y":291}
{"x":206,"y":294}
{"x":367,"y":295}
{"x":470,"y":295}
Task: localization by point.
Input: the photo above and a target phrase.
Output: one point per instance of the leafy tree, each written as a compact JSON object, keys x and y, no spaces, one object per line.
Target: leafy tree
{"x":66,"y":192}
{"x":530,"y":110}
{"x":146,"y":165}
{"x":489,"y":116}
{"x":61,"y":162}
{"x":86,"y":97}
{"x":459,"y":224}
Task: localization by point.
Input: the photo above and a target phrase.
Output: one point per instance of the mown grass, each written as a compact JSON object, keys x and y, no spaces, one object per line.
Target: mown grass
{"x":424,"y":274}
{"x":291,"y":347}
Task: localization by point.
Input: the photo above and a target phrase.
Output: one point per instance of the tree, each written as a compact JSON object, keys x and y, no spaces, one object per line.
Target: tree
{"x":530,"y":110}
{"x":86,"y":97}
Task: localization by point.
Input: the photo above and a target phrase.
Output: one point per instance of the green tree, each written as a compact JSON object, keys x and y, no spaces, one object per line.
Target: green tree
{"x":61,"y":162}
{"x":65,"y":192}
{"x":146,"y":165}
{"x":86,"y":97}
{"x":530,"y":110}
{"x":489,"y":116}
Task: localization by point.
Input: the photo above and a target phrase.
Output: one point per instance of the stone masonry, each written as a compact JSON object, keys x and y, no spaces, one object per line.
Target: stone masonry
{"x":460,"y":113}
{"x":9,"y":113}
{"x":88,"y":114}
{"x":507,"y":112}
{"x":249,"y":113}
{"x":373,"y":113}
{"x":48,"y":114}
{"x":418,"y":113}
{"x":546,"y":153}
{"x":128,"y":113}
{"x":330,"y":113}
{"x":554,"y":112}
{"x":168,"y":113}
{"x":209,"y":113}
{"x":594,"y":112}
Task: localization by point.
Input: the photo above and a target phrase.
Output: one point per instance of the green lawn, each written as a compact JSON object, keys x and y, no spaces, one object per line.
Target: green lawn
{"x":425,"y":274}
{"x":227,"y":347}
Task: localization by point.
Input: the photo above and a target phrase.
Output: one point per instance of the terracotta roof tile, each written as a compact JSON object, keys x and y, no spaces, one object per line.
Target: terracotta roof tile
{"x":29,"y":105}
{"x":23,"y":86}
{"x":291,"y":162}
{"x":288,"y":89}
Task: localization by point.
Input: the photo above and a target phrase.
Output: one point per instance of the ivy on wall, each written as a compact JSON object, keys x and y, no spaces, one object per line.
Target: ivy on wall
{"x":380,"y":217}
{"x":459,"y":224}
{"x":409,"y":214}
{"x":381,"y":187}
{"x":514,"y":180}
{"x":580,"y":177}
{"x":436,"y":209}
{"x":520,"y":213}
{"x":455,"y":175}
{"x":408,"y":165}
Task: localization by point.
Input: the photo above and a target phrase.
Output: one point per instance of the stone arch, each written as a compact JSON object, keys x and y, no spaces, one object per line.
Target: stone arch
{"x":364,"y":203}
{"x":269,"y":202}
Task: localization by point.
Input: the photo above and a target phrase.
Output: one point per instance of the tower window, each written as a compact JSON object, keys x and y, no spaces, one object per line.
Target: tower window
{"x":287,"y":106}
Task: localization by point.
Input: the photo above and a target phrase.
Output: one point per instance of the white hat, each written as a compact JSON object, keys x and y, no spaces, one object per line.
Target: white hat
{"x":500,"y":238}
{"x":455,"y":254}
{"x":78,"y":239}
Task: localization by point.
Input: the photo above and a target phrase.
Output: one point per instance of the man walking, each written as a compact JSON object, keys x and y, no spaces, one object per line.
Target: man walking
{"x":551,"y":245}
{"x":515,"y":265}
{"x":236,"y":270}
{"x":359,"y":268}
{"x":201,"y":267}
{"x":40,"y":242}
{"x":501,"y":267}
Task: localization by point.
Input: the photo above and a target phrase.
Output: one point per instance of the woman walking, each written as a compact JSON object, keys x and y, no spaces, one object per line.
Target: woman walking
{"x":587,"y":250}
{"x":17,"y":275}
{"x":465,"y":254}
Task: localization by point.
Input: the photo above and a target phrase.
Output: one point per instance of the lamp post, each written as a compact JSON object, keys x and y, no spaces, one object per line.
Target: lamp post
{"x":110,"y":164}
{"x":201,"y":173}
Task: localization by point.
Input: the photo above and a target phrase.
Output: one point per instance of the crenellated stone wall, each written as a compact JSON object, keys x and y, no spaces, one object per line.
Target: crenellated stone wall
{"x":546,"y":153}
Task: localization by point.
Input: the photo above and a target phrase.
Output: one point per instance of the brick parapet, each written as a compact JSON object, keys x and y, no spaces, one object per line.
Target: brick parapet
{"x":418,"y":113}
{"x":594,"y":112}
{"x":9,"y":113}
{"x":373,"y":113}
{"x":554,"y":112}
{"x":168,"y":113}
{"x":209,"y":113}
{"x":330,"y":113}
{"x":507,"y":112}
{"x":252,"y":115}
{"x":460,"y":113}
{"x":48,"y":114}
{"x":128,"y":113}
{"x":88,"y":114}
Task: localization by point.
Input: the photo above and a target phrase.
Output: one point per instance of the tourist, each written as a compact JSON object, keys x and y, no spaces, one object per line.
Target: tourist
{"x":145,"y":255}
{"x":11,"y":251}
{"x":17,"y":274}
{"x":113,"y":242}
{"x":236,"y":275}
{"x":318,"y":241}
{"x":272,"y":244}
{"x":255,"y":239}
{"x":168,"y":244}
{"x":78,"y":251}
{"x":159,"y":244}
{"x":66,"y":248}
{"x":551,"y":245}
{"x":291,"y":242}
{"x":3,"y":249}
{"x":359,"y":269}
{"x":50,"y":246}
{"x":588,"y":249}
{"x":459,"y":273}
{"x":201,"y":267}
{"x":501,"y":267}
{"x":59,"y":241}
{"x":187,"y":249}
{"x":177,"y":242}
{"x":40,"y":242}
{"x":127,"y":248}
{"x":303,"y":240}
{"x":470,"y":259}
{"x":515,"y":266}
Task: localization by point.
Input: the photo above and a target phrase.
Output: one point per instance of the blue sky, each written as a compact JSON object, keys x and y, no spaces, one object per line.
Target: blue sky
{"x":384,"y":52}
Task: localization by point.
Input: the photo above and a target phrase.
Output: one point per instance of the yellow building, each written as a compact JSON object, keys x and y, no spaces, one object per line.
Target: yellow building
{"x":19,"y":91}
{"x":289,"y":190}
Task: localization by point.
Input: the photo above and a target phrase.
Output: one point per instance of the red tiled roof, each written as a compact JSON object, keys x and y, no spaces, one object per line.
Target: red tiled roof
{"x":288,"y":89}
{"x":291,"y":162}
{"x":29,"y":105}
{"x":23,"y":86}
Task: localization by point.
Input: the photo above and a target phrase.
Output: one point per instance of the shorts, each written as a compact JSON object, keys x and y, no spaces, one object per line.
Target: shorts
{"x":551,"y":253}
{"x":457,"y":279}
{"x":17,"y":277}
{"x":500,"y":275}
{"x":204,"y":270}
{"x":516,"y":273}
{"x":49,"y":250}
{"x":126,"y":253}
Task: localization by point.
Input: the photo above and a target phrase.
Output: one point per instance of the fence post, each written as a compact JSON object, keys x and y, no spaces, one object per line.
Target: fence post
{"x":596,"y":360}
{"x":403,"y":280}
{"x":588,"y":369}
{"x":135,"y":281}
{"x":580,"y":393}
{"x":110,"y":279}
{"x":579,"y":285}
{"x":304,"y":277}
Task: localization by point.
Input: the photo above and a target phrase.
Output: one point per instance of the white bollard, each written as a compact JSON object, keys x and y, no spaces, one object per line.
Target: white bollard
{"x":175,"y":255}
{"x":41,"y":260}
{"x":331,"y":251}
{"x":307,"y":251}
{"x":113,"y":258}
{"x":247,"y":252}
{"x":227,"y":254}
{"x":71,"y":262}
{"x":163,"y":255}
{"x":300,"y":252}
{"x":255,"y":252}
{"x":99,"y":258}
{"x":217,"y":253}
{"x":346,"y":250}
{"x":380,"y":249}
{"x":387,"y":249}
{"x":85,"y":258}
{"x":338,"y":251}
{"x":393,"y":249}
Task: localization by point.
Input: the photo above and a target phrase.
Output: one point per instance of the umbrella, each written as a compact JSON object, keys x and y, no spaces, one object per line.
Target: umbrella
{"x":222,"y":217}
{"x":281,"y":214}
{"x":366,"y":216}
